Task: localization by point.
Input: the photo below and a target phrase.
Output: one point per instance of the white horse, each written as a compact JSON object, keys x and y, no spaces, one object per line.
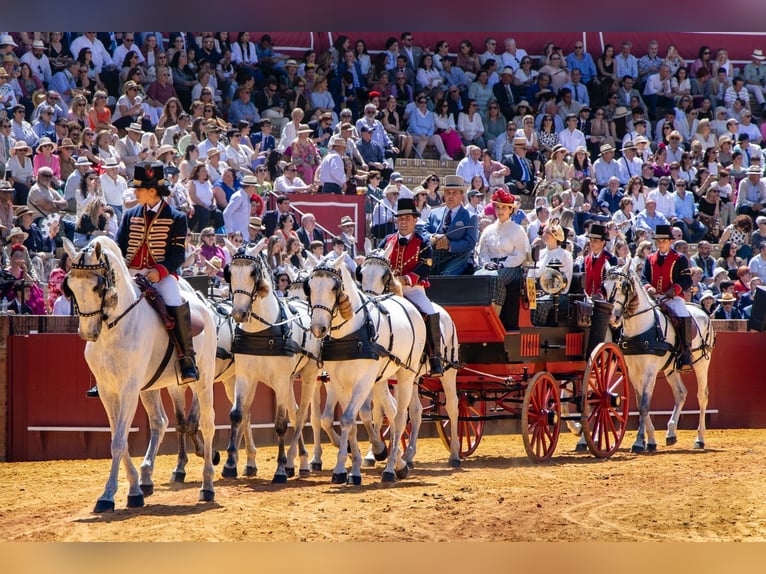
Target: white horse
{"x":640,"y":315}
{"x":127,"y":348}
{"x":361,"y":354}
{"x":377,"y":279}
{"x":272,"y":345}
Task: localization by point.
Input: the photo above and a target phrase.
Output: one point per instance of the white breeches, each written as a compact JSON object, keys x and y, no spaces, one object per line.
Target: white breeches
{"x":417,"y":296}
{"x":167,"y":288}
{"x":678,"y":306}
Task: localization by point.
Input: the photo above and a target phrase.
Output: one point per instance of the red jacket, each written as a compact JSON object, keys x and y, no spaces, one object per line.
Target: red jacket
{"x":674,"y":272}
{"x":412,"y":260}
{"x":595,"y":270}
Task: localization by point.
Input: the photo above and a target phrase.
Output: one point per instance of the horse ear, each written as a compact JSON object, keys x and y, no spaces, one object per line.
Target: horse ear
{"x":97,"y":250}
{"x":258,"y":247}
{"x":388,"y":250}
{"x":626,"y":268}
{"x":307,"y":289}
{"x":338,"y":264}
{"x":70,"y":249}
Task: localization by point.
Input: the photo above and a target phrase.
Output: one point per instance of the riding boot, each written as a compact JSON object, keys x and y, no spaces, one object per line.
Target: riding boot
{"x":686,"y":336}
{"x":434,"y":344}
{"x":183,"y":336}
{"x":92,"y":393}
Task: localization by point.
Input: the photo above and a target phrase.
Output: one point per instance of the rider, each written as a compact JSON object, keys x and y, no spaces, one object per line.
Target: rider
{"x":151,"y":237}
{"x":410,"y":260}
{"x":595,"y":262}
{"x":667,"y":272}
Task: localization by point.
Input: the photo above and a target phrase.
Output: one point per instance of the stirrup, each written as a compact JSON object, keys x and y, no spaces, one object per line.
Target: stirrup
{"x":189,"y":372}
{"x":435,"y":366}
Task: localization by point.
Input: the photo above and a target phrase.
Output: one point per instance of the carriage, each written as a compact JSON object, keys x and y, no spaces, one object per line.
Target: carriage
{"x":541,"y":375}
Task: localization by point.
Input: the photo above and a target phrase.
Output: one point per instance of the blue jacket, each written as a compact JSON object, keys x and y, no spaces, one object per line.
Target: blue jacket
{"x":462,"y":232}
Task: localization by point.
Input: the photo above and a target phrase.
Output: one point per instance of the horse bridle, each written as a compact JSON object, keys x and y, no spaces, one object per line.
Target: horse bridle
{"x":380,"y":260}
{"x":339,"y":282}
{"x":628,"y":290}
{"x":258,"y":264}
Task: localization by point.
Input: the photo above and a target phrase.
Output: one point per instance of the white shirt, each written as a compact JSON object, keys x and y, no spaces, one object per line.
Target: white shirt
{"x":332,"y":169}
{"x":511,"y":61}
{"x":100,"y":56}
{"x":503,"y":240}
{"x":121,"y":51}
{"x":283,"y":185}
{"x":41,"y":67}
{"x":467,"y":168}
{"x":656,"y":85}
{"x":206,"y":145}
{"x":562,"y":255}
{"x":666,"y":203}
{"x":470,"y":130}
{"x":236,"y":215}
{"x":113,"y":188}
{"x":571,"y":139}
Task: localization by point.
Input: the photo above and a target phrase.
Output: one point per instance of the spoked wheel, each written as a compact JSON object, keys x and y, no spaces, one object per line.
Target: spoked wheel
{"x":541,"y":417}
{"x":605,"y":400}
{"x":471,"y":412}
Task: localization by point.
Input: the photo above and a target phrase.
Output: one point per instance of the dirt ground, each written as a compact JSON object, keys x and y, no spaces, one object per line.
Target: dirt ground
{"x":675,"y":494}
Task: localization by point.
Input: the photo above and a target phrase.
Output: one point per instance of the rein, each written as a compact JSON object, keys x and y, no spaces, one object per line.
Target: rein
{"x":628,"y":289}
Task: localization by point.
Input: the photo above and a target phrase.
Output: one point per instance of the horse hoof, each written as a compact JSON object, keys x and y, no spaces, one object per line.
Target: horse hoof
{"x":671,"y":440}
{"x":339,"y":477}
{"x":290,"y":471}
{"x":387,"y":477}
{"x":216,"y":457}
{"x":103,"y":506}
{"x":581,"y":447}
{"x":699,"y":444}
{"x":382,"y":455}
{"x":229,"y":472}
{"x":135,"y":500}
{"x":403,"y":472}
{"x":304,"y":473}
{"x":368,"y":462}
{"x":178,"y":477}
{"x":250,"y":471}
{"x":279,"y":479}
{"x":355,"y":480}
{"x":454,"y":463}
{"x":316,"y":466}
{"x":637,"y":449}
{"x":410,"y":464}
{"x":651,"y":447}
{"x":147,"y":489}
{"x":206,"y":496}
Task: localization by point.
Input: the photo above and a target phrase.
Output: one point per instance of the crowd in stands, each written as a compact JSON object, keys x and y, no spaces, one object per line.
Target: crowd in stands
{"x":620,"y":139}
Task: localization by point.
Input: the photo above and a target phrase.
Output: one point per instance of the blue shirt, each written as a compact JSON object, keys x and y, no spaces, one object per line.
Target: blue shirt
{"x":606,"y":199}
{"x":626,"y":67}
{"x":420,"y":125}
{"x":585,"y":65}
{"x":685,"y":208}
{"x":649,"y":222}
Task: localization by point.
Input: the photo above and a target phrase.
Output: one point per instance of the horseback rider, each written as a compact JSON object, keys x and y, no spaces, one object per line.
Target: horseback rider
{"x":596,"y":261}
{"x":410,"y":261}
{"x":667,"y":273}
{"x":151,"y":237}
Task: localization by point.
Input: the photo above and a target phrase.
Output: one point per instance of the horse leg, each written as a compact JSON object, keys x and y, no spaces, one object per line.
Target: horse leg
{"x":244,"y":392}
{"x":308,"y":389}
{"x":702,"y":397}
{"x":158,"y":424}
{"x":384,"y":399}
{"x":372,"y":418}
{"x":449,"y":385}
{"x":416,"y":419}
{"x":207,"y":426}
{"x":679,"y":398}
{"x":404,"y":395}
{"x":178,"y":397}
{"x":120,"y":410}
{"x":283,"y":399}
{"x":645,"y":420}
{"x":316,"y":428}
{"x":339,"y":474}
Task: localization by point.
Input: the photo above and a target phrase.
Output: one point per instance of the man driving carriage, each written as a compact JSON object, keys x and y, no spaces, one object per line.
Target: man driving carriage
{"x":410,"y":260}
{"x":667,"y":275}
{"x":596,"y":262}
{"x":151,"y":237}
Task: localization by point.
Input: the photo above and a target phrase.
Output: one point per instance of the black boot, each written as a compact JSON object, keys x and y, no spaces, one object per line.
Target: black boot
{"x":434,"y":344}
{"x":182,"y":332}
{"x":686,"y":335}
{"x":92,"y":393}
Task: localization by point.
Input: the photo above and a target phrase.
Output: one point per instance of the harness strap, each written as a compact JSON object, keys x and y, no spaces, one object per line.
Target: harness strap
{"x":162,"y":367}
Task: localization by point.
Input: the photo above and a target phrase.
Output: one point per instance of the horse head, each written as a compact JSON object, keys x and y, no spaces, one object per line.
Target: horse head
{"x":377,"y":275}
{"x":326,"y":293}
{"x":249,"y":278}
{"x":297,"y":289}
{"x":621,"y":287}
{"x":91,"y":285}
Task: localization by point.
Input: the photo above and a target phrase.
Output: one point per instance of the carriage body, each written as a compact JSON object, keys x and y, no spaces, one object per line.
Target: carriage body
{"x":541,"y":375}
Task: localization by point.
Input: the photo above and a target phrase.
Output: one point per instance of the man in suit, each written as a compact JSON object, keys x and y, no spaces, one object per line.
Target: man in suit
{"x":308,"y":231}
{"x":522,"y":176}
{"x":130,"y":149}
{"x":152,"y":237}
{"x":410,"y":52}
{"x":727,"y":308}
{"x":503,"y":91}
{"x":454,"y":230}
{"x":271,"y":218}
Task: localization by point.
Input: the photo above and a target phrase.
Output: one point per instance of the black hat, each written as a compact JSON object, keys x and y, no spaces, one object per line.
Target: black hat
{"x":406,"y":206}
{"x":150,"y":174}
{"x":598,"y":231}
{"x":663,"y":232}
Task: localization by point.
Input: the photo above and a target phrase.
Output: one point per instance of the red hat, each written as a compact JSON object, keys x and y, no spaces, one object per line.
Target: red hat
{"x":374,"y":94}
{"x":502,"y":197}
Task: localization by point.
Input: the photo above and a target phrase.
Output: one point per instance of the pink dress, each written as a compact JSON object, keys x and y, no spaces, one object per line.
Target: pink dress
{"x":53,"y":163}
{"x":307,"y":159}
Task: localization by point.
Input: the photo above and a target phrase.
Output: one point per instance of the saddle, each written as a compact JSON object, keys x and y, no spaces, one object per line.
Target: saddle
{"x":674,"y":319}
{"x":157,"y":303}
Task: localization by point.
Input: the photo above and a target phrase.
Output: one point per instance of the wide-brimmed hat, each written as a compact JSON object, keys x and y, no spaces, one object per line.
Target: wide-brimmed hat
{"x":18,"y":231}
{"x":675,"y":135}
{"x":214,"y":262}
{"x":707,"y":294}
{"x":249,"y":180}
{"x":165,"y":149}
{"x":620,"y":112}
{"x":554,"y":228}
{"x":82,"y":161}
{"x":727,"y":298}
{"x":135,"y":127}
{"x":724,"y":139}
{"x":557,"y":148}
{"x":606,"y":148}
{"x":758,"y":54}
{"x":18,"y":146}
{"x":582,"y":149}
{"x":391,"y":188}
{"x":663,"y":231}
{"x":754,"y":170}
{"x":304,"y":129}
{"x":291,"y":62}
{"x":522,"y":104}
{"x":346,"y":220}
{"x":519,"y":141}
{"x":406,"y":206}
{"x":453,"y":182}
{"x":507,"y":70}
{"x":337,"y":140}
{"x":719,"y":271}
{"x":150,"y":174}
{"x":257,"y":223}
{"x":641,"y":140}
{"x":111,"y":162}
{"x":67,"y":143}
{"x":503,"y":197}
{"x":6,"y":185}
{"x":7,"y":39}
{"x":46,"y":141}
{"x":598,"y":231}
{"x":419,"y":190}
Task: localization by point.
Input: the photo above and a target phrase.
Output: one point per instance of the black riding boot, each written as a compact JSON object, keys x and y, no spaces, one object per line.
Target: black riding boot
{"x":434,"y":344}
{"x":509,"y":314}
{"x":686,"y":336}
{"x":183,"y":335}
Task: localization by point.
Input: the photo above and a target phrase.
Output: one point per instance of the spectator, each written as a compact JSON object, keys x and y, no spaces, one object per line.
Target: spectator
{"x":454,"y":231}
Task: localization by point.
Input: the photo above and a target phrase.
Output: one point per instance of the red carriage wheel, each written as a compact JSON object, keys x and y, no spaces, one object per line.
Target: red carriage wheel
{"x":470,"y":427}
{"x":606,"y":400}
{"x":541,"y":417}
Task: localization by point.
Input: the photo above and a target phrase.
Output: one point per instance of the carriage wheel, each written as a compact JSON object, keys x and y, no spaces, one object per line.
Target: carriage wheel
{"x":605,"y":400}
{"x":541,"y":417}
{"x":470,"y":427}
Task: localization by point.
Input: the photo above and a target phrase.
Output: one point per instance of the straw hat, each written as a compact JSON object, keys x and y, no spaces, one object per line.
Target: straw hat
{"x":727,"y":298}
{"x":304,"y":129}
{"x":257,"y":223}
{"x":17,"y":231}
{"x":503,"y":197}
{"x":46,"y":141}
{"x":346,"y":220}
{"x":165,"y":149}
{"x":620,"y":112}
{"x":215,"y":263}
{"x":453,"y":182}
{"x":758,"y":54}
{"x":606,"y":148}
{"x":20,"y":145}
